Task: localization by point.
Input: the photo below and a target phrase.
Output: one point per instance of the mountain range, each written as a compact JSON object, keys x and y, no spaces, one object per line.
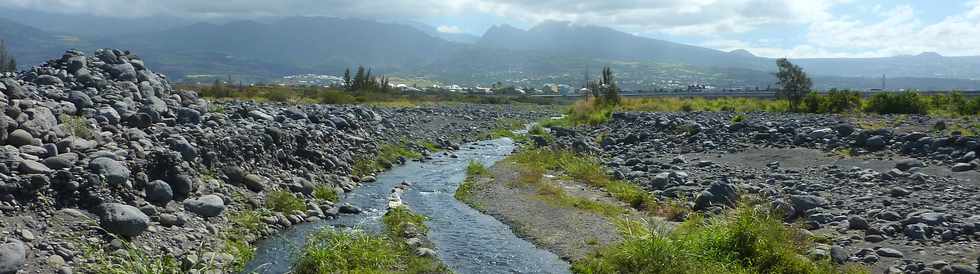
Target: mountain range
{"x":551,"y":52}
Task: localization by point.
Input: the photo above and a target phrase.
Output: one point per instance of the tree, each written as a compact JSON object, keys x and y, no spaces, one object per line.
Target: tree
{"x":610,"y":94}
{"x":7,"y":62}
{"x":347,"y":82}
{"x":793,"y":83}
{"x":359,"y":79}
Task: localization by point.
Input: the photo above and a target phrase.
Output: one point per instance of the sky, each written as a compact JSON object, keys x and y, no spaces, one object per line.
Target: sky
{"x":770,"y":28}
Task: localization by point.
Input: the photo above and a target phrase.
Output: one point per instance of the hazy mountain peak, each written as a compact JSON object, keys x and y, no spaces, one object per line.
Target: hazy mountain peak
{"x":742,"y":52}
{"x":930,"y":54}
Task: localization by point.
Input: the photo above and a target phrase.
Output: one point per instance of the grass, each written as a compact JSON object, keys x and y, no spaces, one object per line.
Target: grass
{"x":133,"y":260}
{"x":387,"y":155}
{"x":744,"y":241}
{"x":334,"y":251}
{"x":326,"y":193}
{"x":284,"y":202}
{"x":474,"y":170}
{"x":77,"y":126}
{"x":327,"y":95}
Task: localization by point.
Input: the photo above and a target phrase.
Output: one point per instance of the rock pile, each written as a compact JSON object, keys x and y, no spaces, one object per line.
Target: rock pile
{"x":912,"y":198}
{"x":104,"y":134}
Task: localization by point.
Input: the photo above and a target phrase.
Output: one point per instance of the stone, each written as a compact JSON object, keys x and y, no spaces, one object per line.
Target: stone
{"x":235,"y":175}
{"x":19,"y":138}
{"x":259,"y":115}
{"x":857,"y":222}
{"x":961,"y":167}
{"x":907,"y":164}
{"x":959,"y":269}
{"x":254,"y":182}
{"x":182,"y":186}
{"x":889,"y":252}
{"x":125,"y":220}
{"x":838,"y":254}
{"x":159,"y":192}
{"x":207,"y":206}
{"x":33,"y":167}
{"x":349,"y":209}
{"x":876,"y":142}
{"x":14,"y":90}
{"x":802,"y":203}
{"x":58,"y":162}
{"x":425,"y":252}
{"x":115,"y":172}
{"x":717,"y":194}
{"x":48,"y":80}
{"x":13,"y":256}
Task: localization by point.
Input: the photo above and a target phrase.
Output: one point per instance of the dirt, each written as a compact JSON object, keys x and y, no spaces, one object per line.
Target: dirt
{"x":570,"y":233}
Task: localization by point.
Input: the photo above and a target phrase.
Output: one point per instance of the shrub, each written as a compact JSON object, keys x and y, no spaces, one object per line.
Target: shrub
{"x":475,"y":168}
{"x":77,"y":126}
{"x":738,"y":118}
{"x":327,"y":193}
{"x":331,"y":251}
{"x":337,"y":98}
{"x":398,"y":219}
{"x":897,"y":103}
{"x":285,"y":202}
{"x":746,"y":241}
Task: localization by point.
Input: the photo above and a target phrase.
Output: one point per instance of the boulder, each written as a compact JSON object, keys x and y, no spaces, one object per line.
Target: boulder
{"x":13,"y":255}
{"x":125,"y":220}
{"x":114,"y":171}
{"x":14,"y":90}
{"x":159,"y":192}
{"x":206,"y":206}
{"x":33,"y":167}
{"x":254,"y":182}
{"x":717,"y":194}
{"x":907,"y":164}
{"x":802,"y":203}
{"x":19,"y":138}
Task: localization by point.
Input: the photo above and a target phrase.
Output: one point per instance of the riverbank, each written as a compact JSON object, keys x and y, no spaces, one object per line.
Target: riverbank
{"x":132,"y":165}
{"x":875,"y":191}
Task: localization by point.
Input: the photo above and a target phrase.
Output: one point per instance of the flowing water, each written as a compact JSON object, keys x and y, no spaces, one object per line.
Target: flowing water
{"x":465,"y":239}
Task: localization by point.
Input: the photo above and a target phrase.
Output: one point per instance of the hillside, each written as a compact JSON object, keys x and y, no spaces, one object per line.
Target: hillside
{"x":551,"y":52}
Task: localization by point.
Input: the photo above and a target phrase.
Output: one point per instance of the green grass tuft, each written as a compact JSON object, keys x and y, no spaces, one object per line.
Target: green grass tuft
{"x":745,"y":241}
{"x":326,"y":193}
{"x":285,"y":202}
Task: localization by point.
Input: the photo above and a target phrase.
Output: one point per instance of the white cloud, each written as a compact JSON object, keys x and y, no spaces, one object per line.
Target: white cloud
{"x":449,"y":29}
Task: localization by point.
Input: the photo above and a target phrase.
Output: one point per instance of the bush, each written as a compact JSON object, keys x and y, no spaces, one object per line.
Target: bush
{"x":285,"y":202}
{"x":327,"y":193}
{"x":475,"y":168}
{"x":897,"y":103}
{"x":747,"y":241}
{"x":835,"y":101}
{"x":337,"y":98}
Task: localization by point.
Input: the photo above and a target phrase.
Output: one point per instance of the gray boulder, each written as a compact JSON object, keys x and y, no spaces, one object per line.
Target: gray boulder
{"x":159,"y":192}
{"x":48,"y":80}
{"x":13,"y":255}
{"x":876,"y":142}
{"x":123,"y":219}
{"x":33,"y":167}
{"x":254,"y":182}
{"x":906,"y":164}
{"x":718,"y":194}
{"x":19,"y":137}
{"x":14,"y":90}
{"x":961,"y":167}
{"x":802,"y":203}
{"x":206,"y":206}
{"x":115,"y":172}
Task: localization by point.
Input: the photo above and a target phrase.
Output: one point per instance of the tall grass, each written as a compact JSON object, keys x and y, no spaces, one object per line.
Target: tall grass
{"x":334,"y":251}
{"x":284,"y":202}
{"x":386,"y":157}
{"x":746,"y":241}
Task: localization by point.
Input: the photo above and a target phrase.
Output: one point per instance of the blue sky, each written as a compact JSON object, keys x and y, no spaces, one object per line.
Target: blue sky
{"x":772,"y":28}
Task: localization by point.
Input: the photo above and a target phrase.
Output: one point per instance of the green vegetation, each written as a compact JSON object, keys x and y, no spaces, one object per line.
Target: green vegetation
{"x":793,"y":83}
{"x":590,"y":171}
{"x":132,"y":260}
{"x":834,"y":101}
{"x":897,"y":103}
{"x":475,"y":168}
{"x":330,"y":95}
{"x":745,"y":241}
{"x":7,"y":62}
{"x":738,"y":118}
{"x":605,"y":91}
{"x":387,"y":156}
{"x":326,"y":193}
{"x":333,"y":251}
{"x":285,"y":202}
{"x":77,"y":126}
